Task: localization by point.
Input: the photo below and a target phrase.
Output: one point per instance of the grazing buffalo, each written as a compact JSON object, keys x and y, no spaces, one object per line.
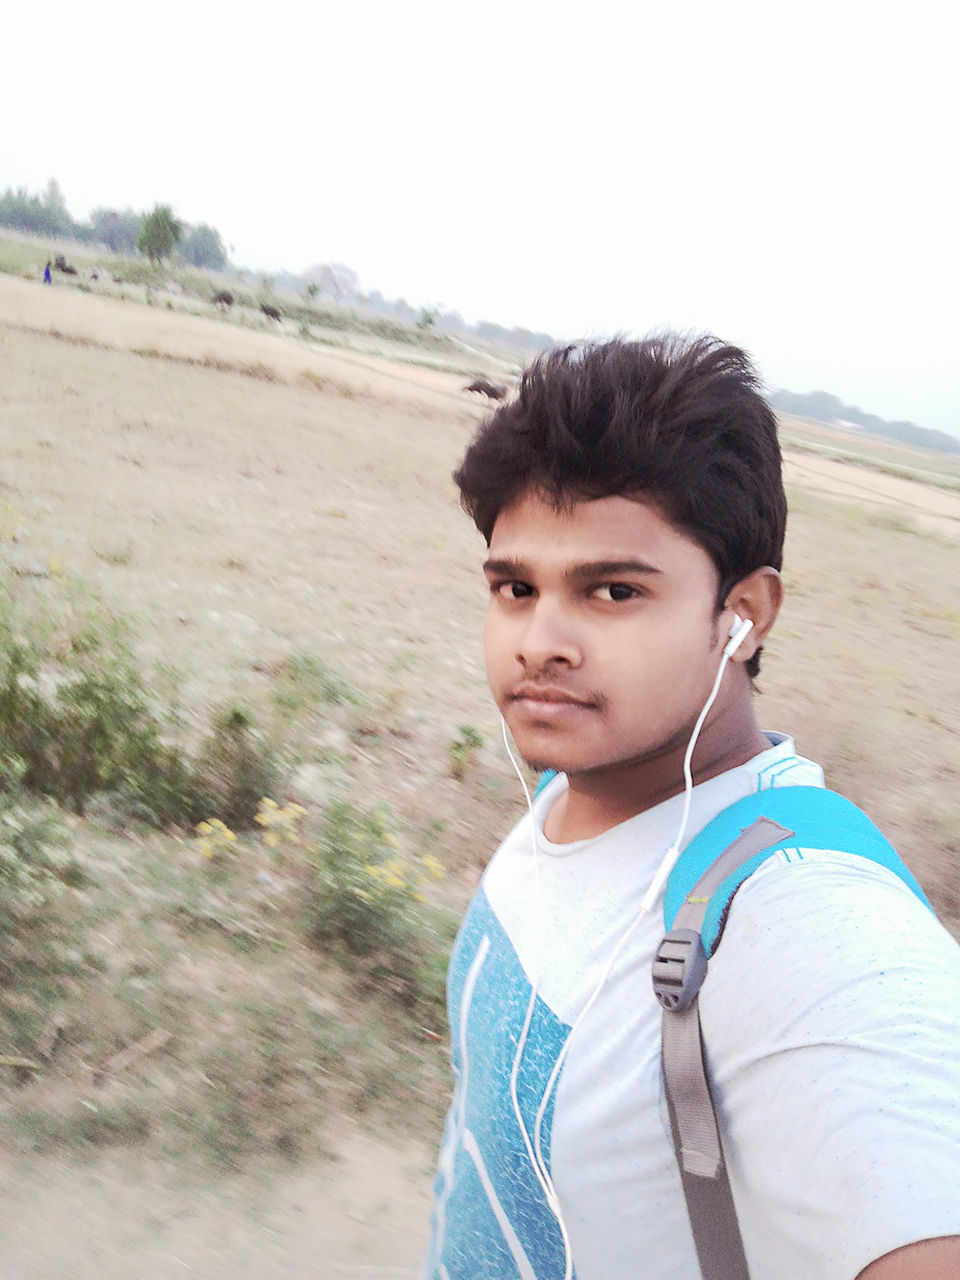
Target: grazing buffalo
{"x":487,"y":389}
{"x":271,"y":312}
{"x":222,"y":299}
{"x":61,"y":264}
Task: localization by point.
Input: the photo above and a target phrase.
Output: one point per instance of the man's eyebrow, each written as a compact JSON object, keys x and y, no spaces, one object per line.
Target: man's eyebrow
{"x":579,"y":572}
{"x":611,"y":568}
{"x":499,"y":568}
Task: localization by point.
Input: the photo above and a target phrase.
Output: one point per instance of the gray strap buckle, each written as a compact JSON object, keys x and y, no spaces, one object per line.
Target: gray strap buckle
{"x":679,"y":969}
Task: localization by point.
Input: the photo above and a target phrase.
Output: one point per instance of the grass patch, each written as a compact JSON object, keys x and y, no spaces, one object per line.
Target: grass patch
{"x":302,"y":681}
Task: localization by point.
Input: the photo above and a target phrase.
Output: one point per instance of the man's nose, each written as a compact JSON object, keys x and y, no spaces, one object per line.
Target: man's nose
{"x":550,"y":636}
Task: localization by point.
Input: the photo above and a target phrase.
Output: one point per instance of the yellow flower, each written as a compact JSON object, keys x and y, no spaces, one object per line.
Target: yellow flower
{"x":214,"y":837}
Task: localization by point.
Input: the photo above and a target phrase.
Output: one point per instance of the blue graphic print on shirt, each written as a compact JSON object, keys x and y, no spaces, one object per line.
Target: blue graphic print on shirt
{"x":491,"y":1218}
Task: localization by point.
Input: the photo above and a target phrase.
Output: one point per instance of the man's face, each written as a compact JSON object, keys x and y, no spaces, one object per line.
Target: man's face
{"x":602,"y":640}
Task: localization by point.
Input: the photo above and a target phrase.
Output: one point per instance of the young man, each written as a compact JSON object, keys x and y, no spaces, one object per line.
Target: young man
{"x":632,"y":504}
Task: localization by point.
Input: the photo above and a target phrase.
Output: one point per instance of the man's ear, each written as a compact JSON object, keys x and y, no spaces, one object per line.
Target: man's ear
{"x":758,"y":597}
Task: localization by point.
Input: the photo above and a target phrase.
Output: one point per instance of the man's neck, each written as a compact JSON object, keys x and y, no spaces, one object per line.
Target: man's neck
{"x":597,"y":800}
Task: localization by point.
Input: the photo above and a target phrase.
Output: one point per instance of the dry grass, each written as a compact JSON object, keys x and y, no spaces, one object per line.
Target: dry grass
{"x":848,"y":444}
{"x":278,"y":524}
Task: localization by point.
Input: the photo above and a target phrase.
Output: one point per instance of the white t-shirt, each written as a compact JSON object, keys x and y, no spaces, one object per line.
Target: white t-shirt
{"x":831,"y":1019}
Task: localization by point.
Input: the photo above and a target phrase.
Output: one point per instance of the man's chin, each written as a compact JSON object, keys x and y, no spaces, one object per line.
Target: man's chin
{"x":541,"y":766}
{"x":562,"y":758}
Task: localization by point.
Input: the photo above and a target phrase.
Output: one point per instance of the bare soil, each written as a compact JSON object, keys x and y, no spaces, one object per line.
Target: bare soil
{"x":362,"y":1213}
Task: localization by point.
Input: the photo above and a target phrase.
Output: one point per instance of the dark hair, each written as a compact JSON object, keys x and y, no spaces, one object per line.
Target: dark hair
{"x":679,"y":420}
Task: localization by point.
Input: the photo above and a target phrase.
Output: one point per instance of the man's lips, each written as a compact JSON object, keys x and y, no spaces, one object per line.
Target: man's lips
{"x":549,"y":695}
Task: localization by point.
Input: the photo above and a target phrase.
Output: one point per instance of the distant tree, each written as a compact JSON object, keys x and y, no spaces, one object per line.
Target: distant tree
{"x":824,"y":407}
{"x":118,"y":229}
{"x":202,"y":247}
{"x":59,"y":222}
{"x":44,"y":215}
{"x":16,"y":210}
{"x":160,"y":234}
{"x":340,"y":282}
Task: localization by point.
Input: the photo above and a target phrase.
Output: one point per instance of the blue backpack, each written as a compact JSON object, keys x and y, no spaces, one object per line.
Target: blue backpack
{"x":696,"y":903}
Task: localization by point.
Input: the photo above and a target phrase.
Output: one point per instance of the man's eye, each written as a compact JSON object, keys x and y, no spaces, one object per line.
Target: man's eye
{"x":616,"y":591}
{"x":513,"y":590}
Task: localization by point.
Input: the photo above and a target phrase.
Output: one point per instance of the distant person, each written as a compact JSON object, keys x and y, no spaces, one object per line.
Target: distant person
{"x":633,"y":508}
{"x":47,"y":278}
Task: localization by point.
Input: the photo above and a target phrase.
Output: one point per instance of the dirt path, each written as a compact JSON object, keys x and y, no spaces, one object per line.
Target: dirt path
{"x":363,"y":1214}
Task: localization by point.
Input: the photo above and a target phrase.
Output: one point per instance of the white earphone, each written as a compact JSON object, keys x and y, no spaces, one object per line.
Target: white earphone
{"x":738,"y":633}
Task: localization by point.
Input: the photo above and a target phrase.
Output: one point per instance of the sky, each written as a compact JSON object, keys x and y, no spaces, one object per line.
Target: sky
{"x":781,"y":175}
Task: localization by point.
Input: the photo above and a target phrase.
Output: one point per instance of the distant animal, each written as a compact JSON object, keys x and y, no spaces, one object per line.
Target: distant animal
{"x":487,"y":389}
{"x":222,"y":299}
{"x":61,"y":264}
{"x":271,"y":312}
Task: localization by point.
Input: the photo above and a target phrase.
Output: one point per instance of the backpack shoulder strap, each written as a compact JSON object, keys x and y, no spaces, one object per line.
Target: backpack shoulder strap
{"x":811,"y":818}
{"x":697,"y":899}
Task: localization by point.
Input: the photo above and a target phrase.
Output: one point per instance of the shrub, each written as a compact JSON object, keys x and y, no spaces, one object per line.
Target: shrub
{"x":32,"y":859}
{"x":234,"y":769}
{"x":81,"y":724}
{"x":365,"y":907}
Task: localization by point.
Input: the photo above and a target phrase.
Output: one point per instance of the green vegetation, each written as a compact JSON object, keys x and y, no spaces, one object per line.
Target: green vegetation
{"x":116,"y":229}
{"x":32,"y":860}
{"x":160,"y":234}
{"x":91,"y":940}
{"x":366,"y":901}
{"x":40,"y":215}
{"x":75,"y":716}
{"x":202,"y":247}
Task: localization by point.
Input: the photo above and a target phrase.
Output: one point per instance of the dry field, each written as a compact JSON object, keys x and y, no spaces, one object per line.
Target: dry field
{"x":256,"y":506}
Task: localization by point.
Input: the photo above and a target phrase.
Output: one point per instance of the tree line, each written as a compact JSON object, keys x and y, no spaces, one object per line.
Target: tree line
{"x":156,"y":234}
{"x":824,"y":407}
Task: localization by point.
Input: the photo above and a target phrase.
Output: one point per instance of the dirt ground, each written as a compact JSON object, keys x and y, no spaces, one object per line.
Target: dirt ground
{"x":929,"y":508}
{"x":365,"y":1213}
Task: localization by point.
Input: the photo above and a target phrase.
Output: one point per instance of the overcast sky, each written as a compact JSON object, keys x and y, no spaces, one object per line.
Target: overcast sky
{"x":784,"y":176}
